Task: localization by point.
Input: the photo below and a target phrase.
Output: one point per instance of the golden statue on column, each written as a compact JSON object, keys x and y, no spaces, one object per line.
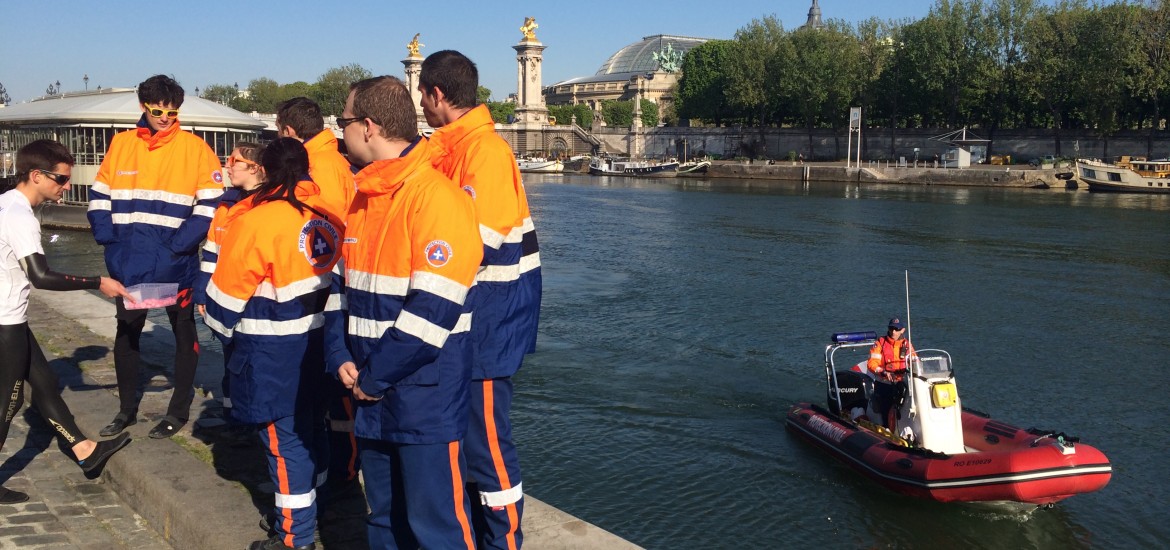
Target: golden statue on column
{"x":414,"y":45}
{"x":529,"y":29}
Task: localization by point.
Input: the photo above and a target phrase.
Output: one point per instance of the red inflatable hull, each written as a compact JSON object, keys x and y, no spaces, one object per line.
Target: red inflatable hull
{"x":1005,"y":463}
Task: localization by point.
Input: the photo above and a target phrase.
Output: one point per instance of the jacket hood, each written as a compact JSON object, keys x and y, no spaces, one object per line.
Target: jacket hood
{"x":387,"y":176}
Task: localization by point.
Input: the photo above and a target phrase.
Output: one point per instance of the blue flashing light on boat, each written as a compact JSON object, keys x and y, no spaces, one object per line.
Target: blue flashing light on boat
{"x":843,"y":337}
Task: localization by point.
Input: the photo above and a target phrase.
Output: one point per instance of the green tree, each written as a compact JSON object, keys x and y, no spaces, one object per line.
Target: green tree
{"x":332,"y":88}
{"x":299,"y":88}
{"x":482,"y":95}
{"x":756,"y":71}
{"x":1110,"y":56}
{"x":564,"y":114}
{"x":649,"y":113}
{"x":823,"y":77}
{"x":224,"y":94}
{"x":1152,"y":81}
{"x":262,"y":95}
{"x":501,"y":110}
{"x":701,"y":90}
{"x":617,"y":113}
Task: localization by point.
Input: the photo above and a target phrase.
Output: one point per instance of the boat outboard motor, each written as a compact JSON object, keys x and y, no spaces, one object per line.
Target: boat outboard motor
{"x":855,"y":389}
{"x":931,"y":415}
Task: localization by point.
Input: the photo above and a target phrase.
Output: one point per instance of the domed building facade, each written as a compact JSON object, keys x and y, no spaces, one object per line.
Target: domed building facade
{"x":650,"y":68}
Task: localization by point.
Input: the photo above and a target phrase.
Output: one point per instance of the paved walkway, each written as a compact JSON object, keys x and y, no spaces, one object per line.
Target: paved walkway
{"x":203,"y":488}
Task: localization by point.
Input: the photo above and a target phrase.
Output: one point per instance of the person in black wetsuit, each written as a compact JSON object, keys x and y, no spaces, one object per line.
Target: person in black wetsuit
{"x":43,"y":171}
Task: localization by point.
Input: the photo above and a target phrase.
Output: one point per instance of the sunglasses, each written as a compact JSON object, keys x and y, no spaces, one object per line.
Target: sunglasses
{"x":157,"y":112}
{"x":234,"y":159}
{"x":60,"y":179}
{"x":343,"y":122}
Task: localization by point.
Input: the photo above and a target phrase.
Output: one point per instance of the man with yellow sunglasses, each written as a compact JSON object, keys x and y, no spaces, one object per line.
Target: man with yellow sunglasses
{"x":150,"y":207}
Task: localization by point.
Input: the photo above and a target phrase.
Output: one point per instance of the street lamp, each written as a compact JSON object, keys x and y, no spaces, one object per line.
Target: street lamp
{"x":86,"y":79}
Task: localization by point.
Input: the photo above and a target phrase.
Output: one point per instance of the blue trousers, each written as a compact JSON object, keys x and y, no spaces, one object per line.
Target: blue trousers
{"x":290,"y":443}
{"x":416,"y":496}
{"x":493,"y":464}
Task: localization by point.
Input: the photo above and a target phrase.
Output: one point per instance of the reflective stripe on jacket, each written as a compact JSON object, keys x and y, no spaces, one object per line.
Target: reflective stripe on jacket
{"x":266,"y":303}
{"x":506,"y":296}
{"x":152,"y":202}
{"x":232,"y":204}
{"x":412,"y":251}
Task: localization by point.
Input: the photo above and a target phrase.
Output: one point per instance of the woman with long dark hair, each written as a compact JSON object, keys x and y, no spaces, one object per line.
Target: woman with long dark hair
{"x":265,"y":303}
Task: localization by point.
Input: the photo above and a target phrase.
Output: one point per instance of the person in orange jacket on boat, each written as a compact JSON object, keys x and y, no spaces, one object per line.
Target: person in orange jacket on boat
{"x":150,"y":207}
{"x":887,"y":357}
{"x":507,"y":291}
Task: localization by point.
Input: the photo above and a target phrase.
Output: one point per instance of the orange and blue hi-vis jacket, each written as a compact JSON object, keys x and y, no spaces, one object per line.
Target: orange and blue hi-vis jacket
{"x":331,"y":172}
{"x":266,"y":303}
{"x":232,"y":204}
{"x":411,"y":252}
{"x":152,"y":202}
{"x":506,"y":296}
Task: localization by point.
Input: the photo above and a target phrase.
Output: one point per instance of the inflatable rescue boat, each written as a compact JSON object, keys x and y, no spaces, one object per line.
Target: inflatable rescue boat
{"x":935,"y":448}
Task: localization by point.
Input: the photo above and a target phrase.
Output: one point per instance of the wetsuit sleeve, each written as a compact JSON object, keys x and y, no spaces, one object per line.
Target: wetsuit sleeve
{"x":336,"y":317}
{"x":445,"y":252}
{"x":207,"y":194}
{"x":37,"y":268}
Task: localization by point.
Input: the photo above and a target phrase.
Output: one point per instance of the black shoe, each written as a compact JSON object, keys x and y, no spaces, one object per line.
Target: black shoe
{"x":275,"y":543}
{"x":92,"y":464}
{"x":120,"y":422}
{"x":8,"y":496}
{"x":168,"y":427}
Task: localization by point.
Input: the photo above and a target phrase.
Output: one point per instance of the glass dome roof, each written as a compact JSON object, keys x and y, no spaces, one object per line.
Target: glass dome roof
{"x":639,"y":56}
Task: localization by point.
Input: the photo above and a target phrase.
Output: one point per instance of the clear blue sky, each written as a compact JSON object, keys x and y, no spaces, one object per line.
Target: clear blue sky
{"x":119,"y":43}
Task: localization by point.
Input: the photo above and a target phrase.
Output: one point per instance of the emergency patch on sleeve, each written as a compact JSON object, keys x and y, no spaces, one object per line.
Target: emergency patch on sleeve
{"x":217,"y":176}
{"x":319,"y":243}
{"x":438,"y":253}
{"x":470,"y":191}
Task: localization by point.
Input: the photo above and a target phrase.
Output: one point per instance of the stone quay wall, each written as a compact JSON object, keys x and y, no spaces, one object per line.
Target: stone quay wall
{"x":876,"y":144}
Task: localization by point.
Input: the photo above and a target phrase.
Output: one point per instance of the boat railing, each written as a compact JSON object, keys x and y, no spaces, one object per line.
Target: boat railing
{"x":841,"y":341}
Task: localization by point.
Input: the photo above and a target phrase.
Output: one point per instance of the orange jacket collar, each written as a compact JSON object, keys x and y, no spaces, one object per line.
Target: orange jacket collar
{"x":387,"y":176}
{"x":324,"y":141}
{"x":446,"y":138}
{"x":159,"y":138}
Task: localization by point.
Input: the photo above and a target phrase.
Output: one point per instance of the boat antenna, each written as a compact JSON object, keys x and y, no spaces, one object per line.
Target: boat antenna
{"x":908,"y":331}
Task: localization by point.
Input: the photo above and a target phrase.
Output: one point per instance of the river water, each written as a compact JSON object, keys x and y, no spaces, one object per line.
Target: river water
{"x":682,"y":318}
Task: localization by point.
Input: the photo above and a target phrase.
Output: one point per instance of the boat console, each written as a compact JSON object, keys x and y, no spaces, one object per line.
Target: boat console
{"x":929,"y":413}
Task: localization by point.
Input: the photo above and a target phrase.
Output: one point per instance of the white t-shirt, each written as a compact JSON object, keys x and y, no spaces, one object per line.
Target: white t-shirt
{"x":20,"y":236}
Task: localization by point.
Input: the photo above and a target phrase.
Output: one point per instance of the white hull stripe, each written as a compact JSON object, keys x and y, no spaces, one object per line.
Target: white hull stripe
{"x":502,"y":498}
{"x":975,"y":481}
{"x":294,"y":502}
